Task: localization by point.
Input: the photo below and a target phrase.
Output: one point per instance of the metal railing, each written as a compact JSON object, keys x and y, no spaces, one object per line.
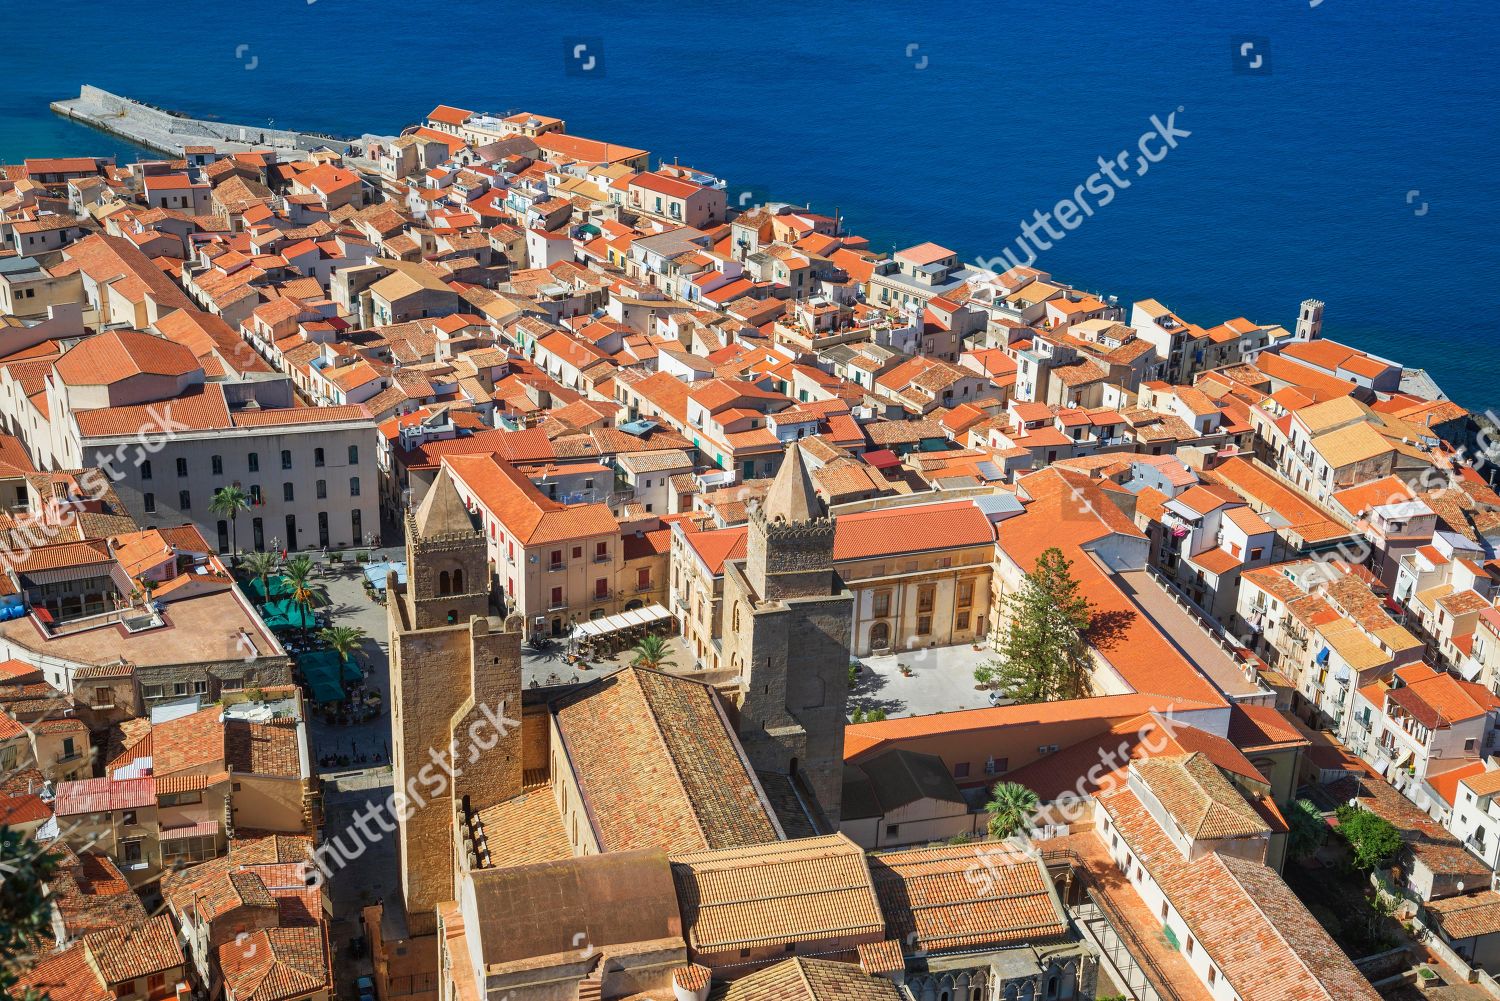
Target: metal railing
{"x":1157,"y":986}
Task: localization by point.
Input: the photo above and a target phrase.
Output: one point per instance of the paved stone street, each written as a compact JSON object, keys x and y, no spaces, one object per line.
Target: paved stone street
{"x":368,"y":879}
{"x":348,"y":606}
{"x":942,"y":680}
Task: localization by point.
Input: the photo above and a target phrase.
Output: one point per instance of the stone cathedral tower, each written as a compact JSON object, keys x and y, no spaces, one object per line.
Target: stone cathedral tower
{"x":454,"y":672}
{"x":787,"y":632}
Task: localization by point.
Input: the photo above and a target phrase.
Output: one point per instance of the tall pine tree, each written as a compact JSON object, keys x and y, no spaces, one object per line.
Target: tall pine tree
{"x":1045,"y":654}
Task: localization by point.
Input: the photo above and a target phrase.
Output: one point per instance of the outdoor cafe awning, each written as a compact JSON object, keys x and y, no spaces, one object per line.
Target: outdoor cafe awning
{"x":287,"y":614}
{"x":375,"y":573}
{"x":622,"y":620}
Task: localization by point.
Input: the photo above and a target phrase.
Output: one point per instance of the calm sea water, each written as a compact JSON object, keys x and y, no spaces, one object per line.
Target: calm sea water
{"x":932,"y":121}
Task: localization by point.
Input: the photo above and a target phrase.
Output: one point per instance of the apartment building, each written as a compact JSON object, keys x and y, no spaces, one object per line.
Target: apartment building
{"x":1207,"y":538}
{"x":558,"y":564}
{"x":141,"y":408}
{"x":1420,"y":724}
{"x":1191,"y":850}
{"x":1323,"y":628}
{"x":919,"y":576}
{"x":177,"y":794}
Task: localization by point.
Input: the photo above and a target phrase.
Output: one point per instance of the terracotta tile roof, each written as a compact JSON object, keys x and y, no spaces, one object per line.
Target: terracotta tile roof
{"x":1437,"y":701}
{"x":201,"y":408}
{"x":118,"y":262}
{"x":1264,"y":492}
{"x":262,"y":748}
{"x":932,"y":903}
{"x":882,"y":957}
{"x":903,"y":530}
{"x":17,"y":809}
{"x":276,"y":964}
{"x":658,"y":765}
{"x":528,"y":514}
{"x":124,"y":954}
{"x":529,"y":445}
{"x":1484,"y":783}
{"x":524,"y":829}
{"x":1070,"y":512}
{"x":65,"y":976}
{"x":715,"y":547}
{"x":1467,"y":916}
{"x":1245,"y":918}
{"x":103,"y":794}
{"x":202,"y":740}
{"x":808,"y":890}
{"x":1204,"y":804}
{"x":1252,"y":727}
{"x":1446,"y":783}
{"x":804,"y":979}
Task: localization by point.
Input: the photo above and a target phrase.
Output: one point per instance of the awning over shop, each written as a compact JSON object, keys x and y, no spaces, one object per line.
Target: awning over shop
{"x":623,"y":620}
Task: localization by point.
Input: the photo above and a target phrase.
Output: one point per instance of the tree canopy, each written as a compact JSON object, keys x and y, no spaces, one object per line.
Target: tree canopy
{"x":24,"y":910}
{"x":1011,"y":808}
{"x":1044,"y":656}
{"x":1308,"y":830}
{"x":1373,"y":839}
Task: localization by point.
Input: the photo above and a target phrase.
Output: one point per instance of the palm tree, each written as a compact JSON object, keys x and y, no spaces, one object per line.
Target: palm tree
{"x":345,"y":640}
{"x":652,"y":652}
{"x":231,"y":501}
{"x":263,"y":565}
{"x":1011,"y":808}
{"x":297,"y":576}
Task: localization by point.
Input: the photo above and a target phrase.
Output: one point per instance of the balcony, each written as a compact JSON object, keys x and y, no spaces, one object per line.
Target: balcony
{"x":555,"y":567}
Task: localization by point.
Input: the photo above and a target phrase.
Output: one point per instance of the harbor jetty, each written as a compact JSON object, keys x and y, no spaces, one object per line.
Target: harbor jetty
{"x":170,"y":132}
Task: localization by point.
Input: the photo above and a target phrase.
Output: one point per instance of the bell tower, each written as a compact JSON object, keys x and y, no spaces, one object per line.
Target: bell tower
{"x":447,"y":567}
{"x":787,"y":633}
{"x":455,"y":695}
{"x":1310,"y":320}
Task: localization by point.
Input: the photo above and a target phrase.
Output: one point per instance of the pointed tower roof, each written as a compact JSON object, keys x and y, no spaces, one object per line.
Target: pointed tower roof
{"x":443,"y":511}
{"x":792,"y":497}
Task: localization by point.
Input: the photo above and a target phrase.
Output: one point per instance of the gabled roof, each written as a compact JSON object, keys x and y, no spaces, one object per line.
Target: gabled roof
{"x":659,"y":766}
{"x":116,"y":355}
{"x":807,"y":979}
{"x":807,"y":890}
{"x":1199,"y":798}
{"x":932,"y":902}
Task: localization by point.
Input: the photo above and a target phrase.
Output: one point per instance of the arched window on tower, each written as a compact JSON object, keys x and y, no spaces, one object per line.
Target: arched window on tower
{"x":445,"y":586}
{"x":458,"y":582}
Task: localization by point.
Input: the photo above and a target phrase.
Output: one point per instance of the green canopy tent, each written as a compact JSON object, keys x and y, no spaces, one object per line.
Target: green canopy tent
{"x":276,"y":590}
{"x":287,"y":614}
{"x":321,"y":670}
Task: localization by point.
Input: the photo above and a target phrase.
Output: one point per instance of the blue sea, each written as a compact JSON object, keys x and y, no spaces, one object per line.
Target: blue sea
{"x":1346,"y":154}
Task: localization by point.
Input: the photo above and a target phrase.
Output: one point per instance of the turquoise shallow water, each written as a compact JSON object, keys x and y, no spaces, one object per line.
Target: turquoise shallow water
{"x":934,"y":121}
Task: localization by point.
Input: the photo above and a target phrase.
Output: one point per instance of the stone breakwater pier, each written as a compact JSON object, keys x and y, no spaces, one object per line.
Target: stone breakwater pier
{"x":170,"y":133}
